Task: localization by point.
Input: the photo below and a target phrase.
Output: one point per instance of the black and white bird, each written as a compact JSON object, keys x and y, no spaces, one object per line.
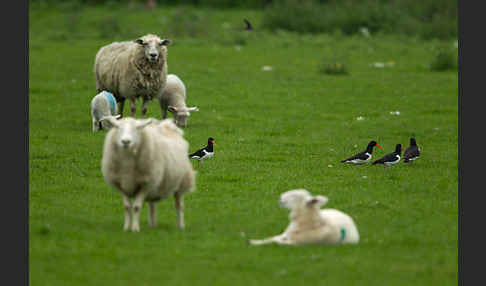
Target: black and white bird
{"x":363,"y":157}
{"x":412,"y":153}
{"x":392,"y":158}
{"x":204,"y":153}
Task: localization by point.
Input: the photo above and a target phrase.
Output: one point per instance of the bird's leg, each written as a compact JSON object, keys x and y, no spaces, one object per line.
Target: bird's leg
{"x":202,"y":163}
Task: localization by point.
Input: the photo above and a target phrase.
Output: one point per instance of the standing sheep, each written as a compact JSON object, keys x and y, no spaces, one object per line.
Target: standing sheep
{"x":310,"y":224}
{"x":173,"y":98}
{"x":103,"y":104}
{"x":147,"y":161}
{"x":132,"y":70}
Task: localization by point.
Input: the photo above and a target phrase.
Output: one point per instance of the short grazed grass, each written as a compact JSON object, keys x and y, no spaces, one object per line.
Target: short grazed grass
{"x":275,"y":130}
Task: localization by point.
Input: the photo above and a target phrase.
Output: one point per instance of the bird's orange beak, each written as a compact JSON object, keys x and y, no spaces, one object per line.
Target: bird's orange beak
{"x":214,"y":143}
{"x":379,"y":147}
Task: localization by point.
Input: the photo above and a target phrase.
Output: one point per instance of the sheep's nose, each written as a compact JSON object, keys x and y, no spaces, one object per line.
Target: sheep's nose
{"x":153,"y":55}
{"x":125,"y":142}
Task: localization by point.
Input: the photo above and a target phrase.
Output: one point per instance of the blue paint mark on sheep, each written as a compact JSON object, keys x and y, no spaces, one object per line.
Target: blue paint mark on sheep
{"x":343,"y":233}
{"x":111,"y":100}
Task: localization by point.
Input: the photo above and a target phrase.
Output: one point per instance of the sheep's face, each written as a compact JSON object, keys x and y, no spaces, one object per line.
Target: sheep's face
{"x":294,"y":198}
{"x":299,"y":198}
{"x":127,"y":131}
{"x":181,"y":115}
{"x":154,"y":47}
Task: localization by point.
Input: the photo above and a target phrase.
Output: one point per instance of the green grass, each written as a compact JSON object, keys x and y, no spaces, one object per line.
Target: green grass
{"x":275,"y":130}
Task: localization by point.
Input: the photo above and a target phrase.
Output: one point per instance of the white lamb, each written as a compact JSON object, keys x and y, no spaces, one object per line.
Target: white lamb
{"x":173,"y":99}
{"x":147,"y":161}
{"x":132,"y":70}
{"x":310,"y":224}
{"x":103,"y":104}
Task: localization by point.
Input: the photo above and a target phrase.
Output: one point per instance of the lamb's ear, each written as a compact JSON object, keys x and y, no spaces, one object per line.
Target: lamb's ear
{"x":172,"y":109}
{"x":143,"y":123}
{"x":139,"y":41}
{"x":192,"y":108}
{"x":111,"y":119}
{"x":317,"y":201}
{"x":165,"y":42}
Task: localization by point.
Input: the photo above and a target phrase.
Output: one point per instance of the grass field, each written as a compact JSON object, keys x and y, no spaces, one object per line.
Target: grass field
{"x":275,"y":130}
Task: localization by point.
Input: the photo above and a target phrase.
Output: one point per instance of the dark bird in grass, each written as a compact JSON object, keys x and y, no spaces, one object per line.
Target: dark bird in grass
{"x":204,"y":153}
{"x":248,"y":27}
{"x":363,"y":157}
{"x":392,"y":158}
{"x":412,"y":152}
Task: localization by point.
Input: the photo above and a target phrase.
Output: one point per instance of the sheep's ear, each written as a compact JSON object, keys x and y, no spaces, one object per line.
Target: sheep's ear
{"x":192,"y":108}
{"x":165,"y":42}
{"x":317,"y":201}
{"x":142,"y":124}
{"x":172,"y":109}
{"x":111,"y":120}
{"x":139,"y":41}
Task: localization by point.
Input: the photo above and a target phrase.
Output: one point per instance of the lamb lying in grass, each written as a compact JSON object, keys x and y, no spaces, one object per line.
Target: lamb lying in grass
{"x":310,"y":224}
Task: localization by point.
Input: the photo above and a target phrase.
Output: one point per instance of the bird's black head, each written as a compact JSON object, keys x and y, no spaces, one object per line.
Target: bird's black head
{"x":413,"y":142}
{"x":371,"y":145}
{"x":398,"y":148}
{"x":211,"y":141}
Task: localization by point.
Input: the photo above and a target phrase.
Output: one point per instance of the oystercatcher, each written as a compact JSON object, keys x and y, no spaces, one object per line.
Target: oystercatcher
{"x":412,"y":153}
{"x":204,"y":153}
{"x":364,"y":156}
{"x":390,"y":159}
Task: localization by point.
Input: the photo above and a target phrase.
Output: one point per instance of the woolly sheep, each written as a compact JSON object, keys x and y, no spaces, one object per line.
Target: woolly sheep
{"x":132,"y":70}
{"x":310,"y":224}
{"x":103,"y":104}
{"x":173,"y":99}
{"x":147,"y":160}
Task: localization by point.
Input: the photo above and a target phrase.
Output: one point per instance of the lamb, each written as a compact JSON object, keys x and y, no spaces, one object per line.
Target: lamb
{"x":173,"y":99}
{"x":131,"y":70}
{"x":311,"y":225}
{"x":103,"y":104}
{"x":147,"y":160}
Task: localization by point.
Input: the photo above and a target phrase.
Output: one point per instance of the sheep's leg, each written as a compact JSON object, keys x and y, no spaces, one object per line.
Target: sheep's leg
{"x":121,"y":104}
{"x":144,"y":106}
{"x":95,"y":125}
{"x":137,"y":207}
{"x":279,"y":239}
{"x":179,"y":204}
{"x":128,"y":212}
{"x":163,"y":108}
{"x":133,"y":107}
{"x":152,"y":221}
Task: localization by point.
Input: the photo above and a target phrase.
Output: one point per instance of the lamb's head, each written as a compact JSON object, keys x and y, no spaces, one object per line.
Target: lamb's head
{"x":155,"y":49}
{"x":127,"y":131}
{"x":181,"y":114}
{"x":299,"y":198}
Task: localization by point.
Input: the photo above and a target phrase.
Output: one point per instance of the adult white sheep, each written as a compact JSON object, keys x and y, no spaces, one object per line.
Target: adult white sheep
{"x":147,"y":161}
{"x":103,"y":104}
{"x":131,"y":70}
{"x":310,"y":224}
{"x":173,"y":99}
